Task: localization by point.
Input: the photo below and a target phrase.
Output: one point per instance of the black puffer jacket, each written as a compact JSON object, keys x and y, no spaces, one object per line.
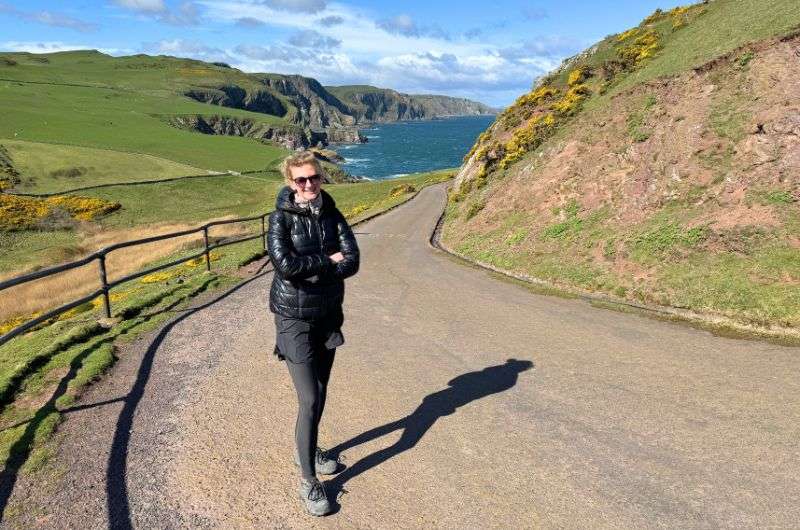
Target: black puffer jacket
{"x":307,"y":284}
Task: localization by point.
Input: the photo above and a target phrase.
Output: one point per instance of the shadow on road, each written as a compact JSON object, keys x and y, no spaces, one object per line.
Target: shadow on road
{"x":461,"y":391}
{"x":117,"y":500}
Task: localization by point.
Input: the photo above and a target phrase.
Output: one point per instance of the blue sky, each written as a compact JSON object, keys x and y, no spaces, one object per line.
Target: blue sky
{"x":490,"y":50}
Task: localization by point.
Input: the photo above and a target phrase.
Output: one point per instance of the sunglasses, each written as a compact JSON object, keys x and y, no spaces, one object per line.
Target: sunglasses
{"x":301,"y":181}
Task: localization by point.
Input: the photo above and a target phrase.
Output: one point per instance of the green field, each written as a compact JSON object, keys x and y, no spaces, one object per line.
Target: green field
{"x":90,"y":99}
{"x":51,"y":168}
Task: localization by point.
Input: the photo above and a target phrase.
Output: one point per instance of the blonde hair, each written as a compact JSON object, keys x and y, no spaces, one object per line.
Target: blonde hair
{"x":298,"y":159}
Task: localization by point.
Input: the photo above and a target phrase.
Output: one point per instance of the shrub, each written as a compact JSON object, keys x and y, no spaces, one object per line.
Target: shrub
{"x":357,"y":210}
{"x":644,"y":45}
{"x":517,"y":237}
{"x":526,"y":105}
{"x":17,"y":213}
{"x":402,"y":189}
{"x":679,"y":16}
{"x":70,"y":172}
{"x":475,"y":208}
{"x":579,"y":75}
{"x":82,"y":208}
{"x":572,"y":100}
{"x":528,"y":138}
{"x":779,"y":197}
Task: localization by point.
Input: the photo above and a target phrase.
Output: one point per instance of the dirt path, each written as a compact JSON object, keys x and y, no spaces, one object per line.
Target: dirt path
{"x":458,"y":402}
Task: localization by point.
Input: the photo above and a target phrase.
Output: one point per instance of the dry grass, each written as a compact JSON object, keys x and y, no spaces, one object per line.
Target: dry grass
{"x":23,"y":301}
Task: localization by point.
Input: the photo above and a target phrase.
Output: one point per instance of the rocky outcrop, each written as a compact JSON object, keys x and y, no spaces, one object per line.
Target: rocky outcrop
{"x":288,"y":136}
{"x":315,"y":106}
{"x":344,"y":135}
{"x":236,"y":97}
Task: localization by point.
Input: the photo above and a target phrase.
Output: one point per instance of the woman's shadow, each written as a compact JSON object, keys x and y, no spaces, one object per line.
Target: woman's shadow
{"x":461,"y":391}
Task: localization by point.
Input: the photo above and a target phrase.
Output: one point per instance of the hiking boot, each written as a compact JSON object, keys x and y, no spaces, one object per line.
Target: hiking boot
{"x":312,"y":493}
{"x":322,"y":464}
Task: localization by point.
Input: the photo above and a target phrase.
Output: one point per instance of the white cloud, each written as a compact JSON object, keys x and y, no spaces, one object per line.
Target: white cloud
{"x":186,"y":13}
{"x":309,"y":38}
{"x":304,"y":6}
{"x":186,"y":48}
{"x":54,"y":47}
{"x":49,"y":18}
{"x":145,"y":6}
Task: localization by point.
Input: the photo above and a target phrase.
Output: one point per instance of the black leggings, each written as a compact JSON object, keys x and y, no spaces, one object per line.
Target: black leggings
{"x":311,"y":383}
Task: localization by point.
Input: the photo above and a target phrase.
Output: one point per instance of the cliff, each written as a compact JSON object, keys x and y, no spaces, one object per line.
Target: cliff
{"x":371,"y":104}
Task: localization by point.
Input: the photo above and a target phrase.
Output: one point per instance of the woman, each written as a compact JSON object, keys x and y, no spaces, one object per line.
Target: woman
{"x":313,"y":250}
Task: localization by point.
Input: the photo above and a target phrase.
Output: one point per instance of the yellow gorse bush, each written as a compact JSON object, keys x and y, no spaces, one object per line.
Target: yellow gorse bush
{"x":17,"y":213}
{"x":359,"y":209}
{"x":643,"y":47}
{"x":625,"y":35}
{"x":527,"y":138}
{"x":572,"y":100}
{"x":537,"y":97}
{"x":679,"y":16}
{"x":82,"y":208}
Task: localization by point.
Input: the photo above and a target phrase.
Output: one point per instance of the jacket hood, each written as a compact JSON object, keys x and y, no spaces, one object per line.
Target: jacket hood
{"x":285,"y":201}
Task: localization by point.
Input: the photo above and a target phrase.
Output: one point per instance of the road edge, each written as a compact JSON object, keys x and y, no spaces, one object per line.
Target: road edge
{"x":716,"y":324}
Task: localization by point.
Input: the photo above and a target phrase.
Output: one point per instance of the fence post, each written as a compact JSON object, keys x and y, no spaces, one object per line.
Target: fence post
{"x":104,"y":281}
{"x":208,"y":254}
{"x":264,"y":231}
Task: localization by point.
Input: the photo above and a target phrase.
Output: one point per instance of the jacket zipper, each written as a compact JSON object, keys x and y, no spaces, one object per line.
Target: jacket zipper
{"x":319,"y":232}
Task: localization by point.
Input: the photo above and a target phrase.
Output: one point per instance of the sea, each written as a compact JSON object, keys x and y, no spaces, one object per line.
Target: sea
{"x":399,"y":148}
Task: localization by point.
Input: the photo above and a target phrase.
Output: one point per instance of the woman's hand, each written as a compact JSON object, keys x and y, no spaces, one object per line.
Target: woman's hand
{"x":336,"y":258}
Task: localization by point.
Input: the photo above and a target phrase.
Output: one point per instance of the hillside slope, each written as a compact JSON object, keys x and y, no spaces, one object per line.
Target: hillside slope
{"x":661,"y":165}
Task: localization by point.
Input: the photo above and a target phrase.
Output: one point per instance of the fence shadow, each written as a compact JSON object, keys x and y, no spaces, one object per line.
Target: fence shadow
{"x":461,"y":391}
{"x":117,"y":499}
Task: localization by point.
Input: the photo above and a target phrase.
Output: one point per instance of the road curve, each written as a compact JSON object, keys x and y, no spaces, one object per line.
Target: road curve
{"x":458,"y":401}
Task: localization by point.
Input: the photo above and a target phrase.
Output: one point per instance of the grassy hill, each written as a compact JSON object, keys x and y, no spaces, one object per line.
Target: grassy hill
{"x":90,"y":99}
{"x":660,"y":165}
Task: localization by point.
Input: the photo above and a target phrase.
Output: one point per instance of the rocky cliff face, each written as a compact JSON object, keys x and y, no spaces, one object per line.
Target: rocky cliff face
{"x":288,"y":136}
{"x":315,"y":107}
{"x":236,"y":97}
{"x":369,"y":104}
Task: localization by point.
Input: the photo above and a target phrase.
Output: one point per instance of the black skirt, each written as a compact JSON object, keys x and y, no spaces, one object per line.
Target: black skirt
{"x":299,"y":340}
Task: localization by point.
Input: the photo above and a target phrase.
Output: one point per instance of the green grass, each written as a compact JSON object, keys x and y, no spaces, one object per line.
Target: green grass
{"x":752,"y":287}
{"x":636,"y":129}
{"x":123,"y":104}
{"x":23,"y":248}
{"x":125,"y":121}
{"x":50,"y":168}
{"x":657,"y":241}
{"x":726,"y":25}
{"x":189,"y":201}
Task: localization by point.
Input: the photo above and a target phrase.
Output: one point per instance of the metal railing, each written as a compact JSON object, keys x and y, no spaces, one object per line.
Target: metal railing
{"x":106,"y":285}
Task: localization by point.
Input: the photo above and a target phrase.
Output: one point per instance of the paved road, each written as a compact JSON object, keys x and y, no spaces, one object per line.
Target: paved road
{"x":459,"y":401}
